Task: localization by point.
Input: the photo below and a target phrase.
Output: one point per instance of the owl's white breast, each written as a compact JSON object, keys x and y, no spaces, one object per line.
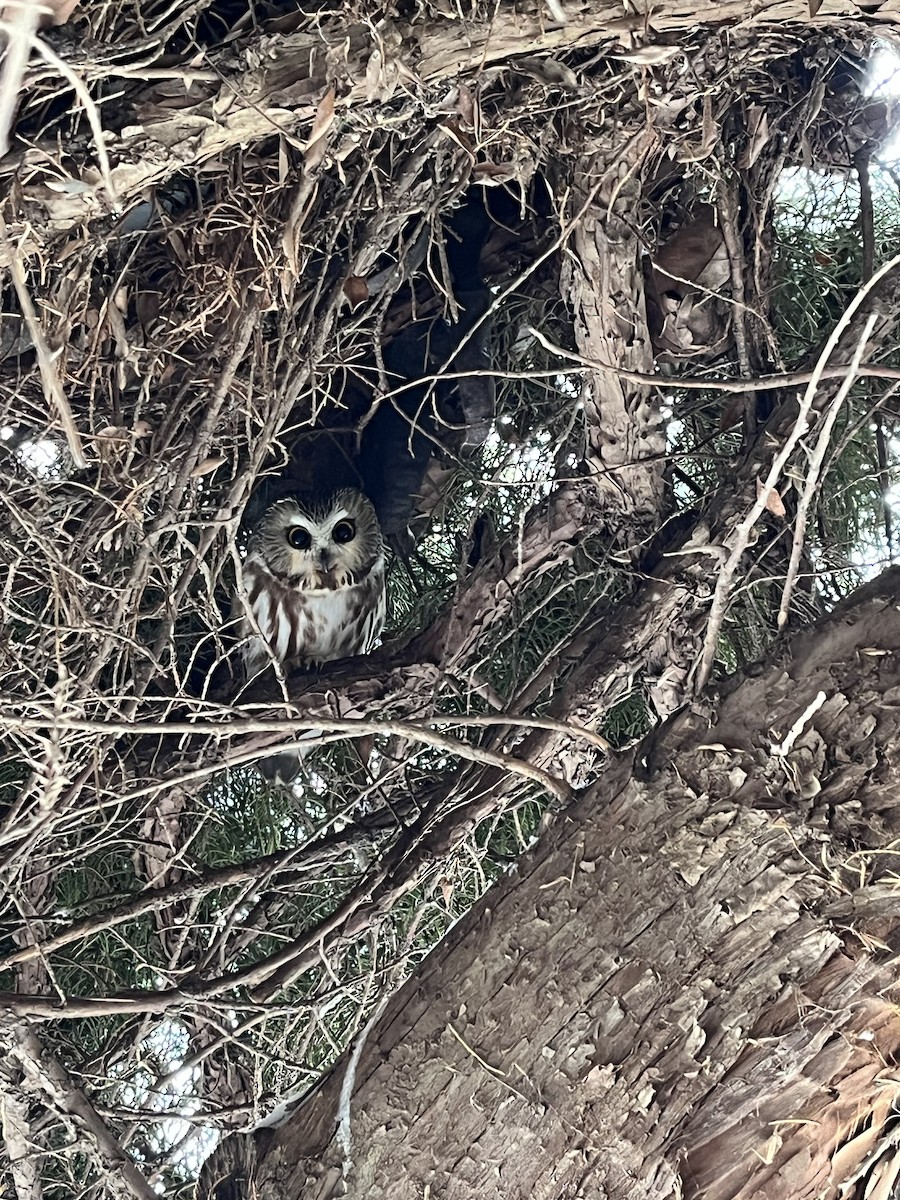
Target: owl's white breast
{"x":309,"y":627}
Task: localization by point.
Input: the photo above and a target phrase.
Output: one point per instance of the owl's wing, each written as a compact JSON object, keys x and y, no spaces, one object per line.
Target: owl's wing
{"x":373,"y":609}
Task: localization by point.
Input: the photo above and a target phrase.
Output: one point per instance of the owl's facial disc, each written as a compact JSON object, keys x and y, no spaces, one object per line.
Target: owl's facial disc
{"x":319,"y":543}
{"x":321,"y":547}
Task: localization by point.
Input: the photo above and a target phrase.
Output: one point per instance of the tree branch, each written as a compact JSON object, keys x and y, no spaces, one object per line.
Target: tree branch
{"x":54,"y":1080}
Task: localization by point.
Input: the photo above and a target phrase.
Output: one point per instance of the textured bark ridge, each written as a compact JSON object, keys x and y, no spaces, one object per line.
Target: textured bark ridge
{"x":602,"y":279}
{"x":687,"y":989}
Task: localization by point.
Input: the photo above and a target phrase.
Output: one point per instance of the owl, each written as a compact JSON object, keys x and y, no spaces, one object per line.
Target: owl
{"x":314,"y":577}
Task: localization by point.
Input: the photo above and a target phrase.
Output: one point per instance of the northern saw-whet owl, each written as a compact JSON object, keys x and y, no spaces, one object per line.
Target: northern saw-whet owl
{"x":314,"y":576}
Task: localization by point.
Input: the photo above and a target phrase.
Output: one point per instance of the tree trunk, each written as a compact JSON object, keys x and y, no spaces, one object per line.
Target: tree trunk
{"x":685,"y":989}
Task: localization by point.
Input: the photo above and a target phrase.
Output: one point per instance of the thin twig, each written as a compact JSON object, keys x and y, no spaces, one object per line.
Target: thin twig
{"x":90,"y":108}
{"x":53,"y":390}
{"x":740,"y":538}
{"x":133,"y":1003}
{"x":866,"y":215}
{"x":19,"y":30}
{"x":54,"y":1080}
{"x":867,"y":230}
{"x":729,"y":216}
{"x":323,"y":851}
{"x":241,"y":727}
{"x":815,"y":469}
{"x":762,"y":383}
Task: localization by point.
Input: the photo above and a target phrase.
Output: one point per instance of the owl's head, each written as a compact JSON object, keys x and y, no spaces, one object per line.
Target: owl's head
{"x":319,"y":542}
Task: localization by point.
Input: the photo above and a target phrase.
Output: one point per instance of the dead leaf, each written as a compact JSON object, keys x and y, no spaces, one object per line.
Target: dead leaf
{"x":709,"y":136}
{"x":207,"y":466}
{"x":758,"y":127}
{"x":356,"y":290}
{"x":373,"y":74}
{"x":71,"y":187}
{"x":222,"y":104}
{"x":774,"y":503}
{"x":176,"y":241}
{"x":710,"y":129}
{"x":549,"y":71}
{"x":71,"y":247}
{"x":113,"y":433}
{"x":649,"y":56}
{"x":115,"y":322}
{"x":146,"y":305}
{"x":462,"y":140}
{"x":465,"y":106}
{"x":314,"y":150}
{"x":494,"y":170}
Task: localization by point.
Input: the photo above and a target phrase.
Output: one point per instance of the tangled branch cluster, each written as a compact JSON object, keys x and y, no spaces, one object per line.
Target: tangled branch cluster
{"x":182,"y":307}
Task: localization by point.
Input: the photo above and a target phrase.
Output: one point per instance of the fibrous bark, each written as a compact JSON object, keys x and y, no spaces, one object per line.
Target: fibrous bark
{"x":295,"y":82}
{"x":686,"y":988}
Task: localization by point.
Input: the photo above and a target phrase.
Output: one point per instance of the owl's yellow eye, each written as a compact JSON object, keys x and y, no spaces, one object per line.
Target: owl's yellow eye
{"x":344,"y":531}
{"x":299,"y":538}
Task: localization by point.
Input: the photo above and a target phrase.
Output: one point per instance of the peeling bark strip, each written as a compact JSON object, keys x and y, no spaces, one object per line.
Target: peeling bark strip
{"x":625,"y":444}
{"x":678,"y":993}
{"x":278,"y":82}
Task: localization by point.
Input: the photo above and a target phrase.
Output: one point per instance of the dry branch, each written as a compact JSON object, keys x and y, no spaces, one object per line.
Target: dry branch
{"x":275,"y":84}
{"x":124,"y":1179}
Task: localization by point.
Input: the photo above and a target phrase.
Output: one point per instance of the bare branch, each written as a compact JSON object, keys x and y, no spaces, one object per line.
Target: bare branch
{"x":54,"y":1080}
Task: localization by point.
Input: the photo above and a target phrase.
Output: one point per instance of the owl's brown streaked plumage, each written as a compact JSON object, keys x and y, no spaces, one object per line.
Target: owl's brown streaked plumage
{"x":314,"y":577}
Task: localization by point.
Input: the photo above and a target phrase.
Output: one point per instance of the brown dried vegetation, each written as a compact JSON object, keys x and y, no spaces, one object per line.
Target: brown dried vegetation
{"x":213,"y":220}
